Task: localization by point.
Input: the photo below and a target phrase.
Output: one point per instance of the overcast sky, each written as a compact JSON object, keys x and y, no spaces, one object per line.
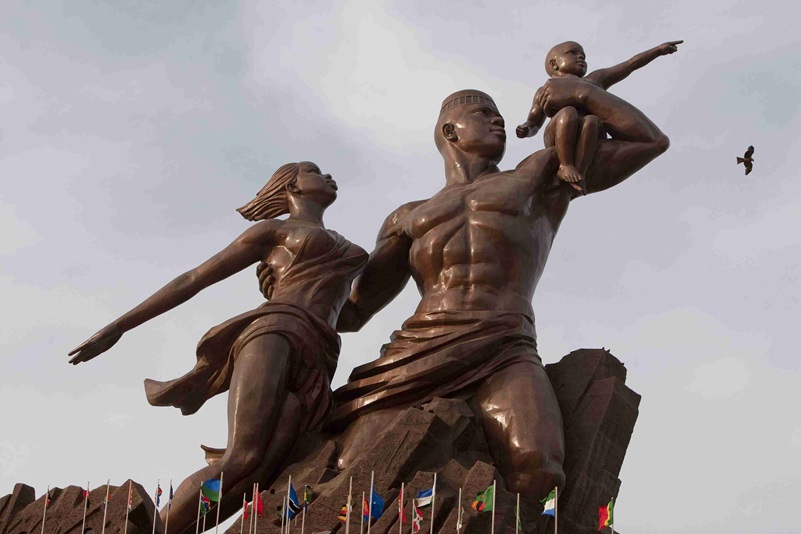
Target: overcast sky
{"x":130,"y":132}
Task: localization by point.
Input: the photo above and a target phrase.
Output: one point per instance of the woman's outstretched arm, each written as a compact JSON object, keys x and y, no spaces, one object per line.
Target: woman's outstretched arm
{"x":246,"y":250}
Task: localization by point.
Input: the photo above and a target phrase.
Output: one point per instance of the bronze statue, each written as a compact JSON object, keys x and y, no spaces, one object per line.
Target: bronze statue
{"x":747,"y":160}
{"x":277,"y":360}
{"x":476,"y":251}
{"x":574,"y":132}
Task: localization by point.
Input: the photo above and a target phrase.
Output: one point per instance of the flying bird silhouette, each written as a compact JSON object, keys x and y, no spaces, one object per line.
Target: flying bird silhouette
{"x":747,"y":160}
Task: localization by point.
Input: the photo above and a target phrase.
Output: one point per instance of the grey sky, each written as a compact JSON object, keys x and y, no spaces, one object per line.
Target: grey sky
{"x":130,"y":131}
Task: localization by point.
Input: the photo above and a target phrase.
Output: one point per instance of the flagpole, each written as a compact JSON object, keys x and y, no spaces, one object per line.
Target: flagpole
{"x":127,"y":507}
{"x":245,"y":508}
{"x":556,"y":510}
{"x":169,"y":507}
{"x":105,"y":508}
{"x":400,"y":510}
{"x":288,"y":489}
{"x":303,"y":518}
{"x":517,"y":513}
{"x":158,"y":486}
{"x":492,"y":529}
{"x":459,"y":511}
{"x":85,"y":506}
{"x":254,"y":507}
{"x":44,"y":514}
{"x":347,"y":507}
{"x":283,"y":513}
{"x":219,"y":504}
{"x":199,"y":501}
{"x":256,"y":498}
{"x":370,"y":502}
{"x":433,"y":503}
{"x":361,"y":516}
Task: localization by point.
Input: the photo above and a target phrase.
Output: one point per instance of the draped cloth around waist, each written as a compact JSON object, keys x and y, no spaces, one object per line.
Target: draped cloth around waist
{"x":314,"y":350}
{"x":434,"y":355}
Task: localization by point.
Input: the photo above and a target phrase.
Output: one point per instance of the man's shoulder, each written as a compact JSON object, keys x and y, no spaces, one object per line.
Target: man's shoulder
{"x":396,"y":221}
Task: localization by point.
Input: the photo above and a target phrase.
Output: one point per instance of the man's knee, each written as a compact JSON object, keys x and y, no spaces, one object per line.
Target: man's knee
{"x":535,"y":472}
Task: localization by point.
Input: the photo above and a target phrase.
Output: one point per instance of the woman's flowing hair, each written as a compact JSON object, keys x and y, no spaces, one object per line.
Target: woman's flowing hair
{"x":271,"y":201}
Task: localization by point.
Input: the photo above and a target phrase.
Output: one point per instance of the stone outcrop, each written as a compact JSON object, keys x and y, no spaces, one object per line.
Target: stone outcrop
{"x":441,"y":437}
{"x":599,"y":414}
{"x":21,"y":514}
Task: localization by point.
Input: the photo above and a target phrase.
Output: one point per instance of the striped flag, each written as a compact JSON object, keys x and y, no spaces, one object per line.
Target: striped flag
{"x":483,"y":500}
{"x":549,"y":504}
{"x":606,"y":514}
{"x":158,"y":494}
{"x":417,"y":517}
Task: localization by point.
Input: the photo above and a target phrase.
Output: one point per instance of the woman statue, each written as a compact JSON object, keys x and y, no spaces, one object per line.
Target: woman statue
{"x":277,"y":360}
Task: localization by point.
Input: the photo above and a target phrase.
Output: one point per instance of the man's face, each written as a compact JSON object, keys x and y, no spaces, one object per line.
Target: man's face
{"x":570,"y":59}
{"x":479,"y":129}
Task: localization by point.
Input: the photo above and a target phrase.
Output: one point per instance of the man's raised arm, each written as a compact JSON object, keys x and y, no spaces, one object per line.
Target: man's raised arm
{"x":384,"y":276}
{"x":635,"y":142}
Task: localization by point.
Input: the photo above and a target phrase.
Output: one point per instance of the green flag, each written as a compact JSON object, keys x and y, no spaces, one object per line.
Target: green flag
{"x":483,"y":501}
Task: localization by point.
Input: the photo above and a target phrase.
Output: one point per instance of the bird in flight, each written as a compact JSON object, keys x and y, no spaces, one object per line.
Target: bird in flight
{"x":747,"y":160}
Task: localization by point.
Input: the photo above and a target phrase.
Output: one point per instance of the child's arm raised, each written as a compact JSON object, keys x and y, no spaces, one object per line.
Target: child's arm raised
{"x":535,"y":120}
{"x":608,"y":77}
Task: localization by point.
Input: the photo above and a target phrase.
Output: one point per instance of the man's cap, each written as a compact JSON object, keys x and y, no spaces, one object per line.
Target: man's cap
{"x":467,"y":96}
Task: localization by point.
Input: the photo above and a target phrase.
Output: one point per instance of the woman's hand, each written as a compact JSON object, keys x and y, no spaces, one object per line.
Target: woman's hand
{"x":96,"y":345}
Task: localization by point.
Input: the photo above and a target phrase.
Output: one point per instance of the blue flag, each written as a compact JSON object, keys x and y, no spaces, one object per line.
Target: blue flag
{"x":293,"y":503}
{"x":424,"y":497}
{"x":376,"y":505}
{"x":210,"y":489}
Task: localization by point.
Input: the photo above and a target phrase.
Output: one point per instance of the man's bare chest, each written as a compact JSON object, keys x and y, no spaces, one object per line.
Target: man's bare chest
{"x":495,"y":200}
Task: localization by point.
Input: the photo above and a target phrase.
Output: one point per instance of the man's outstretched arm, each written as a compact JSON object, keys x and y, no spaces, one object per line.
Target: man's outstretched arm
{"x":635,"y":142}
{"x":384,"y":276}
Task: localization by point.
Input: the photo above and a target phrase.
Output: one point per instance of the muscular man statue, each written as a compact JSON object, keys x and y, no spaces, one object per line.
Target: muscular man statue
{"x":476,"y":250}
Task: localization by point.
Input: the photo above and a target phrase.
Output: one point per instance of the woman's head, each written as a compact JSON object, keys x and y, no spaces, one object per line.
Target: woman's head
{"x":302,"y":180}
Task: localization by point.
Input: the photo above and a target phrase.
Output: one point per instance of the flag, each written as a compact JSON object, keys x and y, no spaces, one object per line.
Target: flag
{"x":106,"y":500}
{"x":549,"y":504}
{"x":400,"y":508}
{"x":205,"y":504}
{"x":293,"y":504}
{"x":130,"y":497}
{"x":210,"y":489}
{"x":606,"y":515}
{"x":365,"y":509}
{"x":308,"y":496}
{"x":47,"y":499}
{"x":459,"y":518}
{"x":417,"y":518}
{"x":424,"y":497}
{"x":85,"y":495}
{"x":169,"y":502}
{"x":244,"y":508}
{"x":259,"y":504}
{"x":377,"y":509}
{"x":158,"y":495}
{"x":483,"y":501}
{"x":343,"y":513}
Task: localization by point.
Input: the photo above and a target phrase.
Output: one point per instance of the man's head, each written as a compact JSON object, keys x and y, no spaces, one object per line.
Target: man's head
{"x":469,"y":122}
{"x":566,"y":58}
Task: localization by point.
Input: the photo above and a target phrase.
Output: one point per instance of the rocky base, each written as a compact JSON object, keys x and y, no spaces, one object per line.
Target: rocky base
{"x":599,"y":414}
{"x":442,"y":437}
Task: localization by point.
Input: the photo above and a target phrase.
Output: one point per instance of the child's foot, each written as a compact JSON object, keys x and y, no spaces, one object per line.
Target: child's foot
{"x":569,"y":174}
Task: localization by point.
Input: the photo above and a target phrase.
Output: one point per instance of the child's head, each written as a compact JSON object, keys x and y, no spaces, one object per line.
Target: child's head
{"x":566,"y":58}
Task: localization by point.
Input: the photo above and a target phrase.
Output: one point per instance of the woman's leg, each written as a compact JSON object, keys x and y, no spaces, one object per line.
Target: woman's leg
{"x":255,"y":399}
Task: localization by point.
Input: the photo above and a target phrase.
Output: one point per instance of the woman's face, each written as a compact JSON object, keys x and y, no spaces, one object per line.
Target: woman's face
{"x":316,"y":186}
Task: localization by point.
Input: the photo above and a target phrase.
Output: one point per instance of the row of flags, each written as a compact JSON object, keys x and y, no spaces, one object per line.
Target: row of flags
{"x":372,"y":510}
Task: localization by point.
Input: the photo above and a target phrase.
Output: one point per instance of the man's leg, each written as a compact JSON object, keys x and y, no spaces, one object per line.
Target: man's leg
{"x":523,"y":426}
{"x":363,"y":432}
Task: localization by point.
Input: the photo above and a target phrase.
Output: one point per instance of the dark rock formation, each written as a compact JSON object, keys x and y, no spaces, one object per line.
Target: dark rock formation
{"x":20,"y":513}
{"x":442,"y":436}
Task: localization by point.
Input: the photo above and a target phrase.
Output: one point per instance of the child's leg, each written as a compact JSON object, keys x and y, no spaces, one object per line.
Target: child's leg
{"x":255,"y":401}
{"x":589,"y":136}
{"x":566,"y":132}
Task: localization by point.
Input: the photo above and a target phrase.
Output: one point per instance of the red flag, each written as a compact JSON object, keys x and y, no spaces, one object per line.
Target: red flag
{"x":245,"y":510}
{"x":259,"y":504}
{"x":130,"y":497}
